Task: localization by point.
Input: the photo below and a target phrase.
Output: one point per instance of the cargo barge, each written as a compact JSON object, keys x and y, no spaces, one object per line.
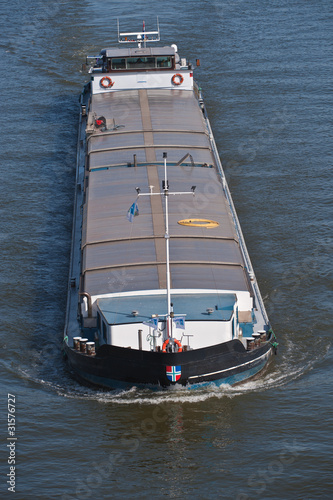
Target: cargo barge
{"x":161,"y":291}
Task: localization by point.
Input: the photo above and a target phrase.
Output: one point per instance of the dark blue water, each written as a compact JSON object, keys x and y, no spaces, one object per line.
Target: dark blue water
{"x":266,"y":74}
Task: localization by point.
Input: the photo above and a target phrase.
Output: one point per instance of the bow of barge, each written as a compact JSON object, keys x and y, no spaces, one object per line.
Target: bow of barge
{"x":169,"y":296}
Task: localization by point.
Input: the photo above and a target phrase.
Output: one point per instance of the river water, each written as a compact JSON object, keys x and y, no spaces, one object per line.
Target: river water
{"x":266,"y":74}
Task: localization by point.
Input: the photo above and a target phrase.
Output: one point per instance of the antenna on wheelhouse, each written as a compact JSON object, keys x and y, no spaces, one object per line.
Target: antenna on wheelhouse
{"x":139,"y":36}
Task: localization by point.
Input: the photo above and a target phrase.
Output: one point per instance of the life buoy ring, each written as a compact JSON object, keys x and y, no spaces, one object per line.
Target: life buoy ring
{"x":209,"y":224}
{"x":177,"y":79}
{"x":106,"y":82}
{"x":165,"y":343}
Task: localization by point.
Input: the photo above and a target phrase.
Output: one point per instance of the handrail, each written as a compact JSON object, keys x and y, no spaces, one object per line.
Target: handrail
{"x":88,"y":297}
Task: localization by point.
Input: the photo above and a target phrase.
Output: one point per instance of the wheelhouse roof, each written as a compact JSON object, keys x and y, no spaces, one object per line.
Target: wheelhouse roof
{"x":137,"y":52}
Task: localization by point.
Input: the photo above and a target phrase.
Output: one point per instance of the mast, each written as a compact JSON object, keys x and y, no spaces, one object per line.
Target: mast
{"x":167,"y":246}
{"x":166,"y":193}
{"x":139,"y":36}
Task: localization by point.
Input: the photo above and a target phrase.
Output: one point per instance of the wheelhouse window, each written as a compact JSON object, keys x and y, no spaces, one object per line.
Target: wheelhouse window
{"x":118,"y":63}
{"x":140,"y":62}
{"x":163,"y":62}
{"x":133,"y":63}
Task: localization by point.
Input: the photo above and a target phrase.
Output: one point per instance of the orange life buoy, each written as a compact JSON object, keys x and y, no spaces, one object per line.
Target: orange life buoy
{"x":177,"y":79}
{"x":106,"y":82}
{"x":165,"y":343}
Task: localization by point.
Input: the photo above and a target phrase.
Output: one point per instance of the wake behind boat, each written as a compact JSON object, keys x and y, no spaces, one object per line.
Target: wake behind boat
{"x":161,"y":290}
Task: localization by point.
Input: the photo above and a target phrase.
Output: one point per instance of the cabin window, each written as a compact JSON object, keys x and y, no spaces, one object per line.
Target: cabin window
{"x":123,"y":63}
{"x":118,"y":63}
{"x":104,"y":332}
{"x":163,"y":62}
{"x":140,"y":62}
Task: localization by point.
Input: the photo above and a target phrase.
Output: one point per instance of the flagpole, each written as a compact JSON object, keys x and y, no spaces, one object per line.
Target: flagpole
{"x":144,"y":36}
{"x":167,"y":237}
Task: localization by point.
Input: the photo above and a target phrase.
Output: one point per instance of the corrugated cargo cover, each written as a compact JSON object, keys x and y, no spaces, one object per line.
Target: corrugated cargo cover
{"x":119,"y":256}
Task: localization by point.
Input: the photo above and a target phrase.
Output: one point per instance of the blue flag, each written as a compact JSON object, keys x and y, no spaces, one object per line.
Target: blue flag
{"x":153,"y":323}
{"x":179,"y":322}
{"x":133,"y":211}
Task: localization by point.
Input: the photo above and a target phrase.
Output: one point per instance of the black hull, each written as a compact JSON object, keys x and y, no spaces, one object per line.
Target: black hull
{"x":114,"y":367}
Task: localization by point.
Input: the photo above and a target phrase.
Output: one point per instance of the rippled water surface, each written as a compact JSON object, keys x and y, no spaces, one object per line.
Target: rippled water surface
{"x":266,"y":74}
